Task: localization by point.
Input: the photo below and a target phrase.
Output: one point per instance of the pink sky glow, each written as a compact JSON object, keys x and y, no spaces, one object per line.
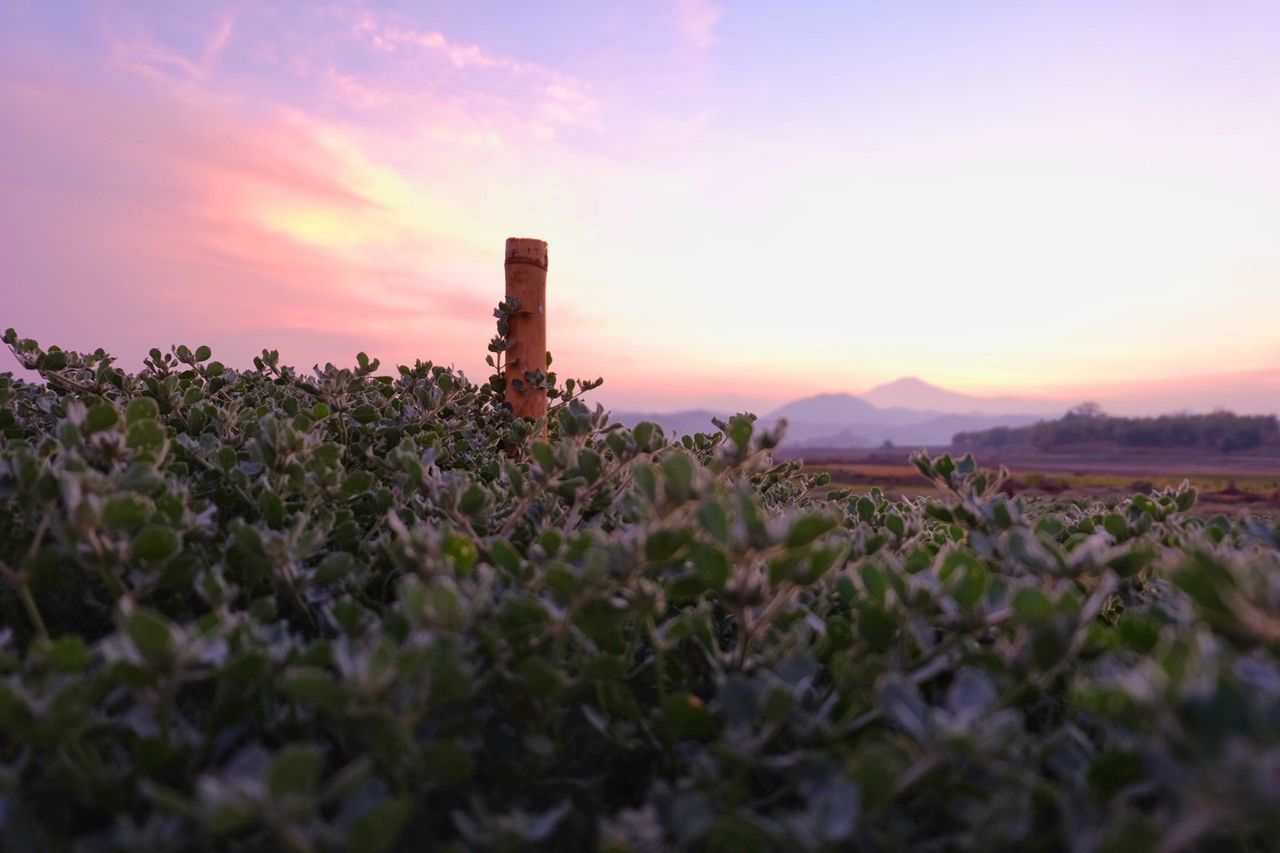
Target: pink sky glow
{"x":745,"y":203}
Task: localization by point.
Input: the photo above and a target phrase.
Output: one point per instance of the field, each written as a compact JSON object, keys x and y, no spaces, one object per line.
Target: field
{"x":261,"y":610}
{"x":1226,"y":482}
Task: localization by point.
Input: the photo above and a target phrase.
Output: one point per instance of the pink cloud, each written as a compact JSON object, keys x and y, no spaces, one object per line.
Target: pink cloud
{"x":219,"y":38}
{"x":696,"y":21}
{"x":144,"y":223}
{"x":561,"y":98}
{"x":151,"y":59}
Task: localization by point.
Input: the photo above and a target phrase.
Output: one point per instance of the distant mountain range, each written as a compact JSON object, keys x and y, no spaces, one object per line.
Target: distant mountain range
{"x":907,"y":411}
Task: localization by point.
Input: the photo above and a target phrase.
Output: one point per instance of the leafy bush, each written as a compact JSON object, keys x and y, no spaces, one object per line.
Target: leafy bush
{"x":256,"y":610}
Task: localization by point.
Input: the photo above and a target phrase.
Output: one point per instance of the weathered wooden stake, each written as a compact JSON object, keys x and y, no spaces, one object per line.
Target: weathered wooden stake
{"x":526,"y":268}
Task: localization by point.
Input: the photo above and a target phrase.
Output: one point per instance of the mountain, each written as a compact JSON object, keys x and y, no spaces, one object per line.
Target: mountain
{"x":844,"y":421}
{"x":839,"y":409}
{"x":684,"y":422}
{"x":912,"y":412}
{"x":911,"y":392}
{"x":843,"y":439}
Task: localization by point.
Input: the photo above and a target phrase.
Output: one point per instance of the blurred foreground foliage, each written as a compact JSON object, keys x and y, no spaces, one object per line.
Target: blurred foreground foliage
{"x":259,"y":610}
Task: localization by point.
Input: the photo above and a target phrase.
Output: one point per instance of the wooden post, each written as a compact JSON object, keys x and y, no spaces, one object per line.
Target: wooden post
{"x":526,"y":269}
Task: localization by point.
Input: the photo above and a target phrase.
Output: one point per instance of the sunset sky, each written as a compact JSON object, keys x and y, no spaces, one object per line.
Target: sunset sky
{"x":745,"y":202}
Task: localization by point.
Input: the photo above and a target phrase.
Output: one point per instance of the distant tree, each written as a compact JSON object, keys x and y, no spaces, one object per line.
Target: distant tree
{"x":1087,"y":409}
{"x":887,"y":445}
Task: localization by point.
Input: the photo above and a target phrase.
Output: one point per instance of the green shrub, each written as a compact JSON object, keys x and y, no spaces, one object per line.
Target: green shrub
{"x":256,"y":610}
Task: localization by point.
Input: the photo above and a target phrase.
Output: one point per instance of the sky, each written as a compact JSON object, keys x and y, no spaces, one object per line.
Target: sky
{"x":745,"y":203}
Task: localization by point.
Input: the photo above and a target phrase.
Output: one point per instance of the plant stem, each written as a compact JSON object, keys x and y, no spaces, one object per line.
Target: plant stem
{"x":19,"y":580}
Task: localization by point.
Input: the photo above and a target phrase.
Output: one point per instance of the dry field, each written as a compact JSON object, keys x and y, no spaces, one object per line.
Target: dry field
{"x":1227,"y":483}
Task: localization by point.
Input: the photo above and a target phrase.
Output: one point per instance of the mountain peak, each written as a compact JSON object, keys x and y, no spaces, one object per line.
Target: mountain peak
{"x":906,"y":382}
{"x":912,"y":392}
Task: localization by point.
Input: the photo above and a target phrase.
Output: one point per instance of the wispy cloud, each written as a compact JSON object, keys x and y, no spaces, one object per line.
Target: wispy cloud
{"x":148,"y":58}
{"x":696,"y":21}
{"x":560,"y":99}
{"x":144,"y":54}
{"x":461,"y":56}
{"x":219,"y":38}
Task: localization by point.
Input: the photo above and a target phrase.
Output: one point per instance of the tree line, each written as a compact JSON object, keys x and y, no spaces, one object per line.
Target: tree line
{"x":1088,"y":424}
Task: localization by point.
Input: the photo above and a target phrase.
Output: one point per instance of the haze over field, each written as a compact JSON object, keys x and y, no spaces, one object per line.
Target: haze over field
{"x":746,"y":203}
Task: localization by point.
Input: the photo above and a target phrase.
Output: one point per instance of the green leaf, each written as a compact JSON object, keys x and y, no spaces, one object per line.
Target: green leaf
{"x":873,"y":578}
{"x":272,"y":507}
{"x":644,"y":433}
{"x":876,"y":626}
{"x":152,"y":635}
{"x":807,"y":528}
{"x":740,"y":430}
{"x":971,"y":582}
{"x":334,"y":565}
{"x":67,"y":654}
{"x":686,"y":716}
{"x":1139,"y":632}
{"x":155,"y":542}
{"x":712,"y":564}
{"x":462,"y":550}
{"x":866,"y":508}
{"x":894,"y":522}
{"x":473,"y":500}
{"x":714,"y":520}
{"x":101,"y":417}
{"x":663,"y":544}
{"x":544,"y":455}
{"x":678,"y":469}
{"x":939,"y":512}
{"x":314,"y":686}
{"x":357,"y":482}
{"x":1032,"y":605}
{"x":295,"y":770}
{"x":145,"y":435}
{"x":126,"y":511}
{"x":141,"y":409}
{"x":541,"y":679}
{"x":551,"y":541}
{"x":1116,"y":525}
{"x":972,"y":585}
{"x":379,"y":828}
{"x":504,"y":556}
